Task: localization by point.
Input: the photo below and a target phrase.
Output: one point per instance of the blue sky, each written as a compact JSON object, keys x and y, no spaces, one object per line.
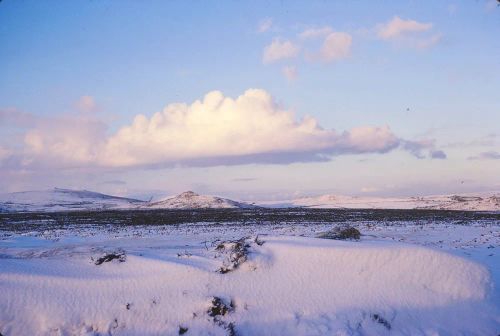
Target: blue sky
{"x":74,"y":74}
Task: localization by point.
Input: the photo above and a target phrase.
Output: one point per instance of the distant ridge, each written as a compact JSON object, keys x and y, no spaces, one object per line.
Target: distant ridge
{"x":463,"y":202}
{"x":59,"y":199}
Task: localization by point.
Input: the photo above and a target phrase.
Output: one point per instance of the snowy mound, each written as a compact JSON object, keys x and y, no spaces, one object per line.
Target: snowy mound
{"x":467,"y":202}
{"x":63,"y":199}
{"x":284,"y":286}
{"x":191,"y":200}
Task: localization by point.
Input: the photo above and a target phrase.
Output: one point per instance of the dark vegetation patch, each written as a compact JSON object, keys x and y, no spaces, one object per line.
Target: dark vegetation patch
{"x":120,"y":256}
{"x":379,"y":319}
{"x":184,"y":254}
{"x":230,"y":329}
{"x":258,"y":241}
{"x":458,"y":198}
{"x":183,"y":330}
{"x":220,"y":308}
{"x":238,"y":251}
{"x":341,"y":233}
{"x":113,"y":219}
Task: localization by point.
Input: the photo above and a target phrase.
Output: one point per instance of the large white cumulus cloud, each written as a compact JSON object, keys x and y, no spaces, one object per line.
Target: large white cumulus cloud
{"x":215,"y":130}
{"x":219,"y":126}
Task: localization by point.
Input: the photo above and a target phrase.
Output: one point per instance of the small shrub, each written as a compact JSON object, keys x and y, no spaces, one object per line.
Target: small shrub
{"x":346,"y":233}
{"x":379,"y":319}
{"x":183,"y":330}
{"x":120,"y":256}
{"x":238,"y":253}
{"x":258,"y":241}
{"x":219,"y":307}
{"x":231,"y":331}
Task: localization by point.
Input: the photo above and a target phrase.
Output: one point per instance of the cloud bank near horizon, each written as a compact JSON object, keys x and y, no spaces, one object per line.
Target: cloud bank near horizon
{"x":216,"y":130}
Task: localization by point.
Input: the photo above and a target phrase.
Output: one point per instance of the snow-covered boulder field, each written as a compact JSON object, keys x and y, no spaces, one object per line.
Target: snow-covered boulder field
{"x":265,"y":286}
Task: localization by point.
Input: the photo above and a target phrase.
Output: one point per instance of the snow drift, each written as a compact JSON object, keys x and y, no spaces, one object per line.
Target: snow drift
{"x":287,"y":286}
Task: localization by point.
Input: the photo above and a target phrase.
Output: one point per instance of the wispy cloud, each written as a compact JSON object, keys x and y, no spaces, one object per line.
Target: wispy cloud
{"x":397,"y":28}
{"x":278,"y":50}
{"x":409,"y":33}
{"x":423,"y":148}
{"x":290,"y":72}
{"x":72,"y":140}
{"x":4,"y":153}
{"x":12,"y":117}
{"x":488,"y":140}
{"x":244,"y":179}
{"x":265,"y":25}
{"x":312,"y":33}
{"x":490,"y":155}
{"x":86,"y":104}
{"x":438,"y":154}
{"x":369,"y":189}
{"x":335,"y":46}
{"x":114,"y":182}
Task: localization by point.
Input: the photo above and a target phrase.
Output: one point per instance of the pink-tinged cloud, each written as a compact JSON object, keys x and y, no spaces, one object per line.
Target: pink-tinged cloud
{"x":290,"y":72}
{"x":278,"y":50}
{"x":313,"y":33}
{"x":216,"y":130}
{"x":69,"y":141}
{"x":4,"y":154}
{"x":409,"y":33}
{"x":336,"y":46}
{"x":398,"y":27}
{"x":265,"y":25}
{"x":250,"y":125}
{"x":15,"y":118}
{"x":86,"y":104}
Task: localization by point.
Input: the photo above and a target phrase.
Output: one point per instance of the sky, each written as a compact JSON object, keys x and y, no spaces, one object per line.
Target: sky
{"x":254,"y":100}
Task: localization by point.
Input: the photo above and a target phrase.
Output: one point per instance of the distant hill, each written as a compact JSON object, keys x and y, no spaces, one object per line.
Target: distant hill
{"x":192,"y":200}
{"x":66,"y":200}
{"x":465,"y":202}
{"x":62,"y":200}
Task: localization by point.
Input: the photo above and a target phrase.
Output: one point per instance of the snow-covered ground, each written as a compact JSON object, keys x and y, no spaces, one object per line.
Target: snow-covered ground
{"x":402,"y":278}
